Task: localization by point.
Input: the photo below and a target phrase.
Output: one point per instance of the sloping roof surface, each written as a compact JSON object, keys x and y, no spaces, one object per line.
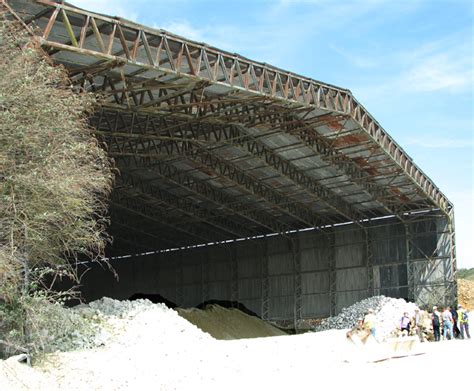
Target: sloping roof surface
{"x":214,"y":146}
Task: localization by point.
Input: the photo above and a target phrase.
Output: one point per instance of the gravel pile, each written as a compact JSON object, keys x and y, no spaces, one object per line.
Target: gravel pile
{"x":122,"y":321}
{"x":387,"y":310}
{"x":124,"y":308}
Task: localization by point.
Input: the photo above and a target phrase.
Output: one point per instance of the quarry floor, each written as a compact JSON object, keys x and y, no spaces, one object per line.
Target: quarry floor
{"x":164,"y":352}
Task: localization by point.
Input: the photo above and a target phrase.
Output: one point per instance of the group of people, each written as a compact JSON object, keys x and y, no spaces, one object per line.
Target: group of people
{"x":454,"y":323}
{"x":412,"y":324}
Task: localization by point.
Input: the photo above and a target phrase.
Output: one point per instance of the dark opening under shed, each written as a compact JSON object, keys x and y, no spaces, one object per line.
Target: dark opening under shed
{"x":243,"y":182}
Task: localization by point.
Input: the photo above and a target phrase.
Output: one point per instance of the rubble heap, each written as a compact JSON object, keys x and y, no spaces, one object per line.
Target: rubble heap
{"x":388,"y":312}
{"x":113,"y":319}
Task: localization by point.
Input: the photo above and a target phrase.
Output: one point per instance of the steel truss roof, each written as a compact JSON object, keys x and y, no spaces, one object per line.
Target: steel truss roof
{"x":213,"y":146}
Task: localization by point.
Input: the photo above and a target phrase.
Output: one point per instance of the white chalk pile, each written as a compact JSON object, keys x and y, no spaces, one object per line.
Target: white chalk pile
{"x":388,"y":312}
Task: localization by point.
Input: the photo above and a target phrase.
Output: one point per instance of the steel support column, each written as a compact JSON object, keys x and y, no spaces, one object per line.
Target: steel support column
{"x":265,"y":284}
{"x":179,"y":281}
{"x":452,"y":290}
{"x":332,"y":273}
{"x":295,"y":251}
{"x":412,"y":295}
{"x":204,"y":279}
{"x":369,"y":262}
{"x":234,"y":274}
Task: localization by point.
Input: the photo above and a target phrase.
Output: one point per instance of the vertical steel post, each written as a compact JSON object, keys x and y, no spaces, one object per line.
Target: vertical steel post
{"x":179,"y":281}
{"x":412,"y":295}
{"x":332,"y":272}
{"x":369,"y":262}
{"x":265,"y":283}
{"x":295,"y":251}
{"x":453,"y":291}
{"x":234,"y":274}
{"x":204,"y":278}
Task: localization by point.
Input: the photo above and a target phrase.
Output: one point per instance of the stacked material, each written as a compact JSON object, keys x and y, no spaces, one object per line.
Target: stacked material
{"x":229,"y":323}
{"x":388,"y":312}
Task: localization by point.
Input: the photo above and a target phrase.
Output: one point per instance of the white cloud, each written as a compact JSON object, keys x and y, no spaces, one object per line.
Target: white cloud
{"x":441,"y":69}
{"x":184,"y":28}
{"x":444,"y":65}
{"x":360,"y":61}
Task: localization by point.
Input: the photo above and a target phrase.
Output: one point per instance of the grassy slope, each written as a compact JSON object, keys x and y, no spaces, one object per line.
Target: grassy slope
{"x":466,"y":274}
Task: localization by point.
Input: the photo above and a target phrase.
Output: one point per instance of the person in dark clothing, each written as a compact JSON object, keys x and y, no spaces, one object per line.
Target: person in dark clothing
{"x":436,"y":321}
{"x":454,"y":313}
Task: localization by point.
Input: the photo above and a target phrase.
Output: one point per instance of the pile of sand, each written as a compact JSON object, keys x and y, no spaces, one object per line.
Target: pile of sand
{"x":466,"y":293}
{"x":228,"y":323}
{"x":151,"y":346}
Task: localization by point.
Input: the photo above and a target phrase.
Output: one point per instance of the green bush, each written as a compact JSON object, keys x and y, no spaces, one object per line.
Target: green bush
{"x":466,"y":274}
{"x":54,"y":182}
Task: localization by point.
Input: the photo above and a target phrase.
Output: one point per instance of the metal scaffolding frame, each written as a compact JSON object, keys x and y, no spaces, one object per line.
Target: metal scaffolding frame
{"x":213,"y":147}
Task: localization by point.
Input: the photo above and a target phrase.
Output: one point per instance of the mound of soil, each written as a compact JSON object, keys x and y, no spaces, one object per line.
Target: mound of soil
{"x":228,"y":323}
{"x":466,"y":293}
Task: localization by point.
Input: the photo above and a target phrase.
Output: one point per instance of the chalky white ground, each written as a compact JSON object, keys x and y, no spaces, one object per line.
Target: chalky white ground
{"x":149,"y":346}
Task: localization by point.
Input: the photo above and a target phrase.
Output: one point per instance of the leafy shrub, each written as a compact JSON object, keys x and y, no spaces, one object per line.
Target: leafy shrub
{"x":54,"y":182}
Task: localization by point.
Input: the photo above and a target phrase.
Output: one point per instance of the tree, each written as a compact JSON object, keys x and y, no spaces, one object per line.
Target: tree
{"x":54,"y":176}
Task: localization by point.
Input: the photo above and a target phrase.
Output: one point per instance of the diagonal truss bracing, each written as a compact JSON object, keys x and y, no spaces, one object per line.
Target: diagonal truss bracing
{"x":110,"y":40}
{"x":148,"y":134}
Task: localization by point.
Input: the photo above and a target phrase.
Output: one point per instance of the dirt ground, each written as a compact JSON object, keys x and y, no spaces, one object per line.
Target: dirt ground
{"x":228,"y":323}
{"x":277,"y":363}
{"x":466,"y":293}
{"x":162,"y":351}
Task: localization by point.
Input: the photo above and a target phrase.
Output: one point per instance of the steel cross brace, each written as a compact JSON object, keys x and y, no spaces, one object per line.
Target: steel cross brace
{"x":157,"y":50}
{"x":211,"y":137}
{"x":235,"y":174}
{"x":132,"y":206}
{"x":185,"y":205}
{"x":223,"y":200}
{"x":130,"y":224}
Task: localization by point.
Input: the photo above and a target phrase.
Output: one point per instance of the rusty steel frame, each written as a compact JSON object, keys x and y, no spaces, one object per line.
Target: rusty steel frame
{"x":162,"y":52}
{"x":209,"y":139}
{"x":169,"y":103}
{"x":189,"y":208}
{"x":198,"y":135}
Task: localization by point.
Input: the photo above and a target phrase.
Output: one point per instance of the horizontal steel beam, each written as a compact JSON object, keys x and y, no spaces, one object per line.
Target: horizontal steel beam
{"x":186,"y":206}
{"x":159,"y":50}
{"x":212,"y":136}
{"x":120,"y":201}
{"x":224,"y":201}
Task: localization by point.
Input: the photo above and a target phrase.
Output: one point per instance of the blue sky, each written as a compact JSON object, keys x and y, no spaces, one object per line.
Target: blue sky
{"x":409,"y":62}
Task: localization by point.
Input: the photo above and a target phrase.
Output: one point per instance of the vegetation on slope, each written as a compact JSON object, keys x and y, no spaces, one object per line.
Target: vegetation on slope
{"x":466,"y":274}
{"x":54,"y":181}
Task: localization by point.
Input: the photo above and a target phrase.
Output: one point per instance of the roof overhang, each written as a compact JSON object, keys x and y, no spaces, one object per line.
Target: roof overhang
{"x":212,"y":145}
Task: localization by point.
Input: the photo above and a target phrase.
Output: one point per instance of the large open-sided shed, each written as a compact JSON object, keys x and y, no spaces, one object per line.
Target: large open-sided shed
{"x":241,"y":181}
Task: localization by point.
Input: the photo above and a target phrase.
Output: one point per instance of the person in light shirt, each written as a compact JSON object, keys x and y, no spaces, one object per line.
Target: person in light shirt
{"x":463,"y":319}
{"x":447,"y":323}
{"x":369,"y":321}
{"x":405,"y":324}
